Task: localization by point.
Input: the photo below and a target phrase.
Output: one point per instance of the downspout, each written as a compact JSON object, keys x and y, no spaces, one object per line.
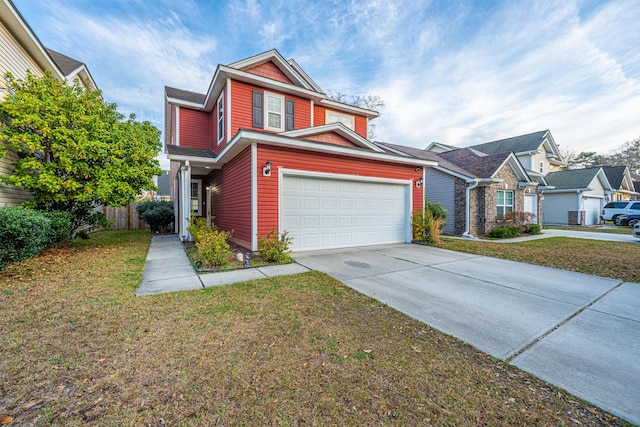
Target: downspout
{"x":467,"y":225}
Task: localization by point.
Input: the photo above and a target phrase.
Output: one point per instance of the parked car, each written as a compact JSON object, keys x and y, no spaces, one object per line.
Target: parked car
{"x":622,"y":207}
{"x":636,"y":230}
{"x":630,"y":220}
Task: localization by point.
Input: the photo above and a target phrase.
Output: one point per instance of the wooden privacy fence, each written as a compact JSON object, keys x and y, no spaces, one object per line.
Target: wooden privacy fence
{"x":124,"y":217}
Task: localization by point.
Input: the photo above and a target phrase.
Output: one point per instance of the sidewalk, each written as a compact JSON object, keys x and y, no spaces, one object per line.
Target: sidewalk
{"x":168,"y":269}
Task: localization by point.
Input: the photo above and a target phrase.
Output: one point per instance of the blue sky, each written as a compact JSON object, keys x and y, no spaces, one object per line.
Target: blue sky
{"x":459,"y":73}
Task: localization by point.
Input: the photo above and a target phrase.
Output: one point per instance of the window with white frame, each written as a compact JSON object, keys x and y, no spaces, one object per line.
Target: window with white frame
{"x":541,"y":167}
{"x":335,"y":117}
{"x":504,"y":202}
{"x":220,"y":118}
{"x":274,"y":112}
{"x":196,"y":197}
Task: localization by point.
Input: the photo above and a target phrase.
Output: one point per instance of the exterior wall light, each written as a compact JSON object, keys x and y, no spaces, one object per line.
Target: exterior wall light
{"x":419,"y":183}
{"x":266,"y":170}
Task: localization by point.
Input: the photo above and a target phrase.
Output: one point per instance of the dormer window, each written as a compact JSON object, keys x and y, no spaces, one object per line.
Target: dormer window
{"x":274,"y":112}
{"x":335,"y":117}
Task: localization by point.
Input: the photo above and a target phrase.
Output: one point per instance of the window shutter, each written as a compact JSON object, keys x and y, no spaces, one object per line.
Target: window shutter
{"x":290,"y":122}
{"x":257,"y":109}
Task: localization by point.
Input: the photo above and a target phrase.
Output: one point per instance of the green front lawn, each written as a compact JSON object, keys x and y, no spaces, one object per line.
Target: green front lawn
{"x":79,"y":348}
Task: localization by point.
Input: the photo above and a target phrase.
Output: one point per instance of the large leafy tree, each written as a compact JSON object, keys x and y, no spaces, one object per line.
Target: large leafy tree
{"x":75,"y":151}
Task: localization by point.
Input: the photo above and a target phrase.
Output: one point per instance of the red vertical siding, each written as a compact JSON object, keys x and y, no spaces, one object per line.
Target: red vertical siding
{"x":270,"y":71}
{"x":242,"y":107}
{"x":361,"y":126}
{"x":317,"y":162}
{"x":231,"y":198}
{"x":195,"y":128}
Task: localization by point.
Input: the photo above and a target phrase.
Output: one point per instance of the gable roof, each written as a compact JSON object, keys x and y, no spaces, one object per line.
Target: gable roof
{"x":184,"y":96}
{"x":576,"y":179}
{"x":301,"y":84}
{"x":517,"y":144}
{"x":71,"y":68}
{"x":466,"y":163}
{"x":530,"y":143}
{"x":337,"y":128}
{"x":619,"y":177}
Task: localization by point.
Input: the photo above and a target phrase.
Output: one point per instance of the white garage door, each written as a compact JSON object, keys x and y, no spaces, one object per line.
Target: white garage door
{"x":592,"y":207}
{"x":327,"y":213}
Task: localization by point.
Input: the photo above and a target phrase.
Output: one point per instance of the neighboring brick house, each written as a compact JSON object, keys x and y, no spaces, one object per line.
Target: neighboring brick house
{"x":265,"y":148}
{"x":22,"y":51}
{"x":475,"y":188}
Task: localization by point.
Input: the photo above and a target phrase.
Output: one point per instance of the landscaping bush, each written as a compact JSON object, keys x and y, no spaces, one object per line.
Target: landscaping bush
{"x":60,"y":228}
{"x":274,"y":249}
{"x":534,"y":229}
{"x":23,"y":234}
{"x":427,"y":224}
{"x":158,"y":215}
{"x":505,"y":232}
{"x":211,"y":243}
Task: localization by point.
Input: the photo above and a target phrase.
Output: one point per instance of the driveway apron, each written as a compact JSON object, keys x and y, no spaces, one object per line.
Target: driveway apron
{"x":577,"y":331}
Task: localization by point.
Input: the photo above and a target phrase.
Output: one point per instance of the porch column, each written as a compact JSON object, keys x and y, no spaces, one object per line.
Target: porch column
{"x":185,"y":200}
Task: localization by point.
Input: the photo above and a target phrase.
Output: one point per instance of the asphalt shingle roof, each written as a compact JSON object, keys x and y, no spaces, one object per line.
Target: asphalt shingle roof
{"x":66,"y":64}
{"x":464,"y":161}
{"x":188,"y":151}
{"x":517,"y":144}
{"x":572,"y":178}
{"x":185,"y":95}
{"x":615,"y":175}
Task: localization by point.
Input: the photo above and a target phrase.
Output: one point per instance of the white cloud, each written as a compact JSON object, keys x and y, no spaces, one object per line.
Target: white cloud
{"x":525,"y":69}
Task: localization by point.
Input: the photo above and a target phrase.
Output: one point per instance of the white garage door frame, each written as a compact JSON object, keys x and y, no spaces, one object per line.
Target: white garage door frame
{"x":592,"y":205}
{"x":408,"y":191}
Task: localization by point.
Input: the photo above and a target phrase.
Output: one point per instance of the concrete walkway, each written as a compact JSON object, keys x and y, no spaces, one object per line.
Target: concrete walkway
{"x":577,"y":331}
{"x":168,"y":269}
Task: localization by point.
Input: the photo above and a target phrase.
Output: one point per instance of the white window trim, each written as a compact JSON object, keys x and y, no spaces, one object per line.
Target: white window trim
{"x":504,"y":205}
{"x":266,"y":111}
{"x":220,"y":118}
{"x":340,"y":118}
{"x":198,"y":182}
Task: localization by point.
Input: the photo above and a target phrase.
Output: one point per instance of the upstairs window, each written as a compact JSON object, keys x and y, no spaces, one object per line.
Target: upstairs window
{"x":541,"y":167}
{"x":274,"y":112}
{"x":504,"y":202}
{"x":335,"y":117}
{"x":220,"y":118}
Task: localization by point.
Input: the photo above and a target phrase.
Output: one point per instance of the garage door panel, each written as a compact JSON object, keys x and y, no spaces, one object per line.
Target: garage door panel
{"x":323,"y":213}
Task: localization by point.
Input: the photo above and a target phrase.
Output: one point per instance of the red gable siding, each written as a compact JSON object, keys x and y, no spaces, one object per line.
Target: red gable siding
{"x":231,"y":198}
{"x":195,"y":129}
{"x":242,"y":107}
{"x":331,"y":138}
{"x":320,"y":118}
{"x":270,"y":71}
{"x":317,"y":162}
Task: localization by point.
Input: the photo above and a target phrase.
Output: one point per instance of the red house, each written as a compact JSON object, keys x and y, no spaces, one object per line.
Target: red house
{"x":265,"y":148}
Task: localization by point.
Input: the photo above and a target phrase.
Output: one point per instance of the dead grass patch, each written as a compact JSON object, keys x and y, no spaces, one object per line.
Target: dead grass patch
{"x":78,"y":348}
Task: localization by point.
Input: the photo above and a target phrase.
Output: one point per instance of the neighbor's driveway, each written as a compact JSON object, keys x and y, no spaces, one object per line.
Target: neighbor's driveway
{"x":577,"y":331}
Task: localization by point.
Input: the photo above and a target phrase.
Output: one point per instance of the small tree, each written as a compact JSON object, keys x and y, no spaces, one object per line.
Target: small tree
{"x":75,"y":151}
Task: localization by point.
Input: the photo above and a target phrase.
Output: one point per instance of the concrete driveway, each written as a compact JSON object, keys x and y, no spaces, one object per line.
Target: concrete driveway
{"x":577,"y":331}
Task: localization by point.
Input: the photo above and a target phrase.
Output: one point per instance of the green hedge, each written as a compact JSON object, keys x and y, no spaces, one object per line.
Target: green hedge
{"x":505,"y":232}
{"x":26,"y":232}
